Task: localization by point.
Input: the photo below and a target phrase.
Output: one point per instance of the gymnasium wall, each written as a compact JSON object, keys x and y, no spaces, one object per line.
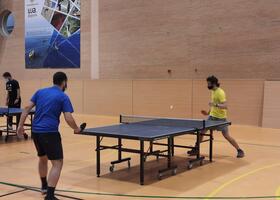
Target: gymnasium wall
{"x":271,"y":106}
{"x":170,"y":98}
{"x":234,"y":39}
{"x":142,"y":39}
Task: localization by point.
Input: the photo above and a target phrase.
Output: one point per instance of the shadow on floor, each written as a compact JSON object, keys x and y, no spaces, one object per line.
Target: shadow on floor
{"x":188,"y":179}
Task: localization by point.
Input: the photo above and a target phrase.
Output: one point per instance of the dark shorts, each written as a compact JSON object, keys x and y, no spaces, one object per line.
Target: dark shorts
{"x":48,"y":144}
{"x":12,"y":104}
{"x":221,"y":128}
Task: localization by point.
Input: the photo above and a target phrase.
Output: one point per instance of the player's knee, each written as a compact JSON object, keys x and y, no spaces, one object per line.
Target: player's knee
{"x":43,"y":159}
{"x":57,"y":163}
{"x":226,"y":134}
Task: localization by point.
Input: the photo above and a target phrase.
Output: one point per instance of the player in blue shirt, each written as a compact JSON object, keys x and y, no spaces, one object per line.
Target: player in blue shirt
{"x":50,"y":103}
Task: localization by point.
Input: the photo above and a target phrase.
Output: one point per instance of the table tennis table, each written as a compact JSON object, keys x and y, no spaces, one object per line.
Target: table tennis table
{"x":13,"y":112}
{"x":154,"y":130}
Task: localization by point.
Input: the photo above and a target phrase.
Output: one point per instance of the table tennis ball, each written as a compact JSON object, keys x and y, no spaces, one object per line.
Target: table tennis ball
{"x":171,"y":107}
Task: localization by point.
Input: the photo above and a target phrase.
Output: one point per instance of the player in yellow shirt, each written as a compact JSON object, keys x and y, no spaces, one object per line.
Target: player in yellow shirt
{"x":218,"y":112}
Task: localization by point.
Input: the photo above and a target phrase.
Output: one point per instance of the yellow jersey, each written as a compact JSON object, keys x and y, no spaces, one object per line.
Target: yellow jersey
{"x":218,"y":96}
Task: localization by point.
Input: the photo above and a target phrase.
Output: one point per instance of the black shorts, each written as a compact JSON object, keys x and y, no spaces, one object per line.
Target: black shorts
{"x":12,"y":104}
{"x":48,"y":144}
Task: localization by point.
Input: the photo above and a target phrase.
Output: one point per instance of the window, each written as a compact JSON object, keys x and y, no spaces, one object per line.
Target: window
{"x":7,"y":23}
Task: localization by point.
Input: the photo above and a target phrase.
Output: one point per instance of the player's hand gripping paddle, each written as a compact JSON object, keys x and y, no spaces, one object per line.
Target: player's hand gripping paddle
{"x":204,"y":112}
{"x":83,"y":126}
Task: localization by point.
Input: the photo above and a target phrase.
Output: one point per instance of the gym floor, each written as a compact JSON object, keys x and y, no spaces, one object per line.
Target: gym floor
{"x":254,"y":176}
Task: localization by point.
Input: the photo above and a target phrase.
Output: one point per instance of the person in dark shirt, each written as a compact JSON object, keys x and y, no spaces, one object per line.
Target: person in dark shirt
{"x":49,"y":103}
{"x":13,"y":99}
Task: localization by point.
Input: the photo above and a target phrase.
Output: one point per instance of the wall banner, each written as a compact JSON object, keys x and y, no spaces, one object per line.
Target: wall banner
{"x":52,"y":33}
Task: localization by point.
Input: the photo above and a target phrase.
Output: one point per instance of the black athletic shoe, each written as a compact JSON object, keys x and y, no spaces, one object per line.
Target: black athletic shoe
{"x":51,"y":198}
{"x":240,"y":153}
{"x":193,"y":152}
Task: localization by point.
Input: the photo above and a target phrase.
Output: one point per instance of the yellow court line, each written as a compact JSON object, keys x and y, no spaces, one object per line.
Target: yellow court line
{"x":220,"y":188}
{"x":277,"y":194}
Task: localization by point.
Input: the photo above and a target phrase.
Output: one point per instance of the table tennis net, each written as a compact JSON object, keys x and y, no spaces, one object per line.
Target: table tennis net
{"x":154,"y":121}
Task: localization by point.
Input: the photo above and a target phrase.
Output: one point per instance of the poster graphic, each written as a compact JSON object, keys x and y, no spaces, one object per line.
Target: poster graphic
{"x":52,"y":33}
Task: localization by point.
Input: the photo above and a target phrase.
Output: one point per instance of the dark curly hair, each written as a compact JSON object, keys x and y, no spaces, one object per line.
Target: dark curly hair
{"x":213,"y":80}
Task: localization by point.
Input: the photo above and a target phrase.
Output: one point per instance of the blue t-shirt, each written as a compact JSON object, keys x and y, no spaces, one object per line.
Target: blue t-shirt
{"x":50,"y":103}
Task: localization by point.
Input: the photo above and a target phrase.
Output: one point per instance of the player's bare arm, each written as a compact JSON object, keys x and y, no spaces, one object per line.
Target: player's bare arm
{"x":26,"y":111}
{"x":219,"y":105}
{"x":71,"y":122}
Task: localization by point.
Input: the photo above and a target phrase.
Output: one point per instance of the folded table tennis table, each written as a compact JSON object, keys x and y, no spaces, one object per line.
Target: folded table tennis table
{"x":13,"y":112}
{"x":153,"y":130}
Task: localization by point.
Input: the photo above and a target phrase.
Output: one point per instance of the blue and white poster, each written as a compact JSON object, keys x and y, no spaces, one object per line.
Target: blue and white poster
{"x":52,"y":33}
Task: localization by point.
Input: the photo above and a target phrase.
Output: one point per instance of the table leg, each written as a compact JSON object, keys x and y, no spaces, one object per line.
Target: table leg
{"x":120,"y":159}
{"x":7,"y":127}
{"x":170,"y":167}
{"x":151,"y":146}
{"x":142,"y":161}
{"x":211,"y":146}
{"x":172,"y":145}
{"x":198,"y":144}
{"x":98,"y":156}
{"x":169,"y":152}
{"x":119,"y":148}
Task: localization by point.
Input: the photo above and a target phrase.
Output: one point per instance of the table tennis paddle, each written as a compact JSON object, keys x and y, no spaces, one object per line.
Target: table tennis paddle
{"x":83,"y":126}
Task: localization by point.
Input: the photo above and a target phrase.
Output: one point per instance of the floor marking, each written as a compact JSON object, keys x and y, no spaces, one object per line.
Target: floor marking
{"x":11,"y":193}
{"x":36,"y":189}
{"x":220,"y":188}
{"x":278,"y":193}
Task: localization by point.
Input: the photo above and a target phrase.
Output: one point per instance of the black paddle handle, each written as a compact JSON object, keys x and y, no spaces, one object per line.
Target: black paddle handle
{"x":83,"y":126}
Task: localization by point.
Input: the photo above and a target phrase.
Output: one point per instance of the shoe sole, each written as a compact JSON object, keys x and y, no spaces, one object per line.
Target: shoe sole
{"x":242,"y":156}
{"x":43,"y":192}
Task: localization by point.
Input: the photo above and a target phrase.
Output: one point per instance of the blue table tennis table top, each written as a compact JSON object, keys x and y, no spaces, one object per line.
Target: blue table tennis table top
{"x":154,"y":128}
{"x":12,"y":111}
